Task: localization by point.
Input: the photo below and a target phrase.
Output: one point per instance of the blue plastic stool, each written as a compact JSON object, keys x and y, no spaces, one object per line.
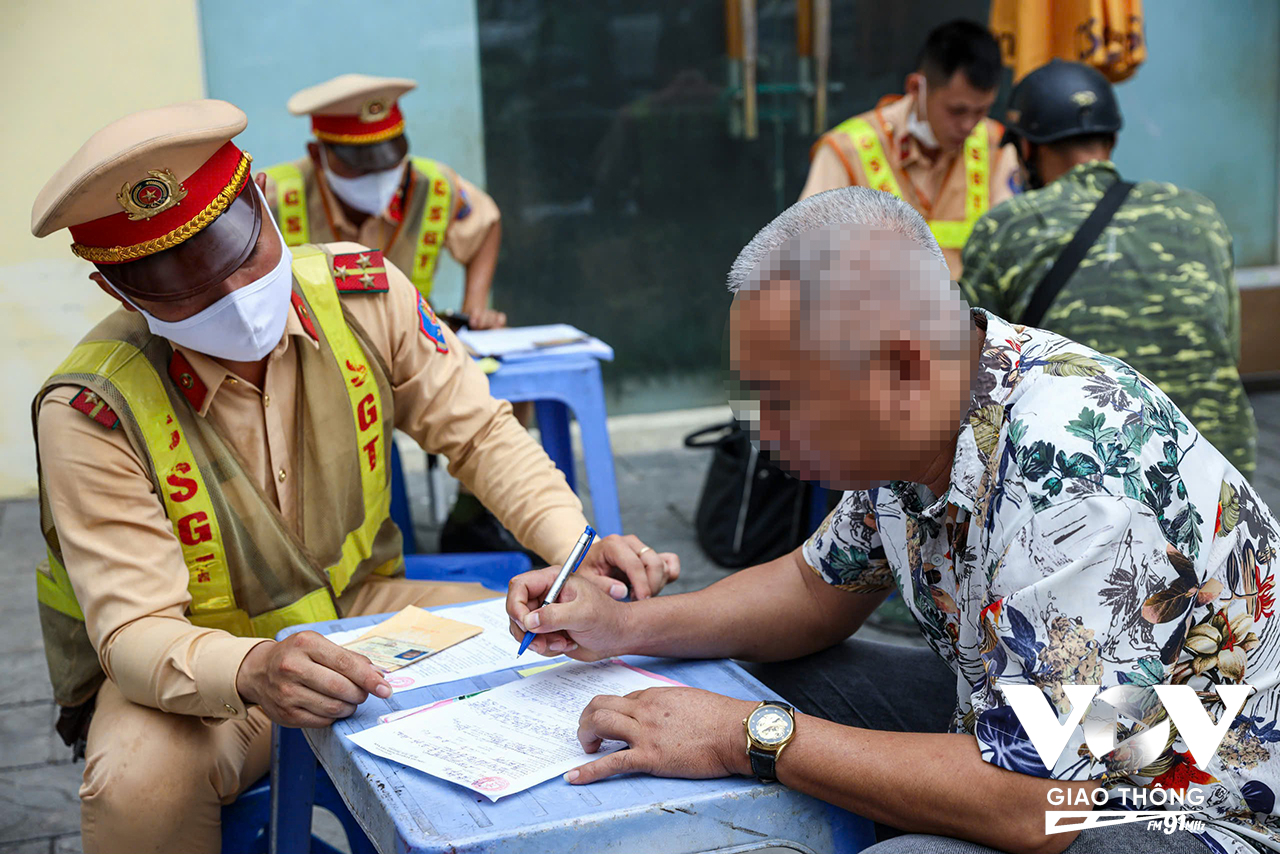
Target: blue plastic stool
{"x":556,"y":385}
{"x":492,"y":569}
{"x":244,"y":822}
{"x":400,"y":512}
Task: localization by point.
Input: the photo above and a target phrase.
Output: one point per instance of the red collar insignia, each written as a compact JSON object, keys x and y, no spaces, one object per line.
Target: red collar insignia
{"x":304,"y":315}
{"x":187,"y":380}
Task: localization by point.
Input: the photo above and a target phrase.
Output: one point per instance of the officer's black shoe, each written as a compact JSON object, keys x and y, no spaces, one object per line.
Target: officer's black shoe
{"x":472,"y":528}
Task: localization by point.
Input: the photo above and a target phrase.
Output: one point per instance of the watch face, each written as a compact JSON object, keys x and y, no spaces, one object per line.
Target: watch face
{"x":769,"y":725}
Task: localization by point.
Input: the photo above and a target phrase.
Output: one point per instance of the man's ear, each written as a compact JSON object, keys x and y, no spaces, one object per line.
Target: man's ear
{"x":101,"y":281}
{"x":313,"y":150}
{"x":905,"y":360}
{"x":1024,"y":150}
{"x":912,"y":83}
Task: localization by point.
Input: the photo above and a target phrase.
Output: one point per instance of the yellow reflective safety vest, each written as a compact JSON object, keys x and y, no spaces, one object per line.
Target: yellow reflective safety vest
{"x":435,"y":195}
{"x":248,"y":572}
{"x":291,"y":203}
{"x":881,"y":175}
{"x":414,"y":249}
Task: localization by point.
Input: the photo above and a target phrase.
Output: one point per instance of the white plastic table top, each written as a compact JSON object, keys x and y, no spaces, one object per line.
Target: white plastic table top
{"x":408,"y":812}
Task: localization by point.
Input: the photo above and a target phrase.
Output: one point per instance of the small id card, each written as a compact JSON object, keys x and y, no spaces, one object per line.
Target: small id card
{"x":408,"y":637}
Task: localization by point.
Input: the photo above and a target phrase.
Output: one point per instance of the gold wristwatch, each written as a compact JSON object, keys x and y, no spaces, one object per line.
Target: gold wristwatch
{"x":770,"y":727}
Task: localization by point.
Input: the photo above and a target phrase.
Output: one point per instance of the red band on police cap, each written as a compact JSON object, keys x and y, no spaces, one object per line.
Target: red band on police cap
{"x":119,"y":237}
{"x":352,"y":130}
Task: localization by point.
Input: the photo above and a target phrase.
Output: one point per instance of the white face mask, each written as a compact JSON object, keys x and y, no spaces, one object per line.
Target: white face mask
{"x":243,"y":326}
{"x":918,"y":127}
{"x":369,"y":193}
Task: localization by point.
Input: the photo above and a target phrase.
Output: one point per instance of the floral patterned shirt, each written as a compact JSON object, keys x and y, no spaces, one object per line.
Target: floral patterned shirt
{"x":1089,"y":535}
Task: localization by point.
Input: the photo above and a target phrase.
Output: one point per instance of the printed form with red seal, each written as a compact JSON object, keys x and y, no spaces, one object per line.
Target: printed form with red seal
{"x":512,"y":737}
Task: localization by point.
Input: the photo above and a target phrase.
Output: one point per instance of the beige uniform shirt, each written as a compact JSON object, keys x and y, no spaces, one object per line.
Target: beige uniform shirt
{"x":474,"y":215}
{"x":126,"y":566}
{"x":934,"y":186}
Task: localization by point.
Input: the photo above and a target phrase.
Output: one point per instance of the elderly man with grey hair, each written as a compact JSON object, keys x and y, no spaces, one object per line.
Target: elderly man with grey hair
{"x":1049,"y":517}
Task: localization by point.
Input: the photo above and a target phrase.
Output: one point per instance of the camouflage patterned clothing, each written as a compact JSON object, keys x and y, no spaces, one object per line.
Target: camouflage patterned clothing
{"x":1156,"y":289}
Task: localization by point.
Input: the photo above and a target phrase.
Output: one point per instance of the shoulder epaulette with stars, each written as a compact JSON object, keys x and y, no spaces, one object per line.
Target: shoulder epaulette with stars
{"x":87,"y":401}
{"x":360,"y":272}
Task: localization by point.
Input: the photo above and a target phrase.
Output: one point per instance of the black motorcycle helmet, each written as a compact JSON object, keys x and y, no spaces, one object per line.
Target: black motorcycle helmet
{"x":1061,"y":100}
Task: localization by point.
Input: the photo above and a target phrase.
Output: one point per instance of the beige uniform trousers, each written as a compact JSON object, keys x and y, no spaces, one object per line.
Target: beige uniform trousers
{"x":156,"y":782}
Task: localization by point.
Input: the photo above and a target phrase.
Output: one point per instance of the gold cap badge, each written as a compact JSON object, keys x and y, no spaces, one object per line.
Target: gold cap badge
{"x":152,"y":195}
{"x":374,"y":110}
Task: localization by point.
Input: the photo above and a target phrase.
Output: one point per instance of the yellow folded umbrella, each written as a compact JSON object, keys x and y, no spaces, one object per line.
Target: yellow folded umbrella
{"x":1106,"y":34}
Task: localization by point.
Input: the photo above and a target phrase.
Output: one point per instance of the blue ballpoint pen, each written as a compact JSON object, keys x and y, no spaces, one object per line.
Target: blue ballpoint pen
{"x":570,"y":567}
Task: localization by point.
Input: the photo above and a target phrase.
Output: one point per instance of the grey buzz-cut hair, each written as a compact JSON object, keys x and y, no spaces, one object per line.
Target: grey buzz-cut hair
{"x":843,"y":206}
{"x":804,"y":243}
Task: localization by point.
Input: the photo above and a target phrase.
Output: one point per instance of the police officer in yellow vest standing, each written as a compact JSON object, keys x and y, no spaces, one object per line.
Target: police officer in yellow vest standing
{"x":214,"y":467}
{"x":358,"y":183}
{"x":934,"y":147}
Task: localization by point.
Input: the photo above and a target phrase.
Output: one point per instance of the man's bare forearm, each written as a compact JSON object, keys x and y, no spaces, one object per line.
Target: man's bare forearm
{"x":772,"y":612}
{"x":932,"y":783}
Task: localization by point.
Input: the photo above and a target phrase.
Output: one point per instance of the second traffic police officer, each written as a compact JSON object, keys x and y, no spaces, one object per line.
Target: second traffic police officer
{"x":214,"y":467}
{"x":358,"y":183}
{"x":1156,"y":287}
{"x":934,"y":148}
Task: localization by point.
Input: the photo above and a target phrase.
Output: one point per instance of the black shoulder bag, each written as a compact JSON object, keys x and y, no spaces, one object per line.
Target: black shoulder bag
{"x":1051,"y":285}
{"x":750,"y":511}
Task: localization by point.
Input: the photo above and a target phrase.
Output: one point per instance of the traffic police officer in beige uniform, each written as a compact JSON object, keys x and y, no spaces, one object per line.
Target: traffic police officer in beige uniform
{"x":358,"y":183}
{"x":214,"y":467}
{"x":934,"y":148}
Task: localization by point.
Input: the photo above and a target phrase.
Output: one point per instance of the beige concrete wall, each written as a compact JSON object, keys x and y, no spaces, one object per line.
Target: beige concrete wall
{"x":70,"y":67}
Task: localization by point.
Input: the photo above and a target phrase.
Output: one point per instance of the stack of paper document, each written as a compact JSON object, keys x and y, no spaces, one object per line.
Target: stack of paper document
{"x":527,"y":342}
{"x":492,"y":650}
{"x":499,"y":741}
{"x":510,"y":738}
{"x":523,"y":673}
